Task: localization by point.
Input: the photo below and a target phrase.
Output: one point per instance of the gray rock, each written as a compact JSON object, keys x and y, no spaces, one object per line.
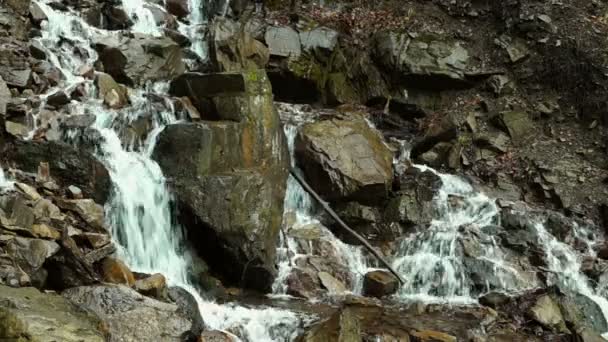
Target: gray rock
{"x":44,"y":318}
{"x":91,"y":212}
{"x":178,"y":8}
{"x":333,"y":285}
{"x":345,"y":160}
{"x":141,"y":58}
{"x":68,"y":165}
{"x":231,"y":49}
{"x":283,"y":41}
{"x":517,"y":124}
{"x":130,"y":316}
{"x":319,"y":38}
{"x":434,"y":61}
{"x":547,"y":312}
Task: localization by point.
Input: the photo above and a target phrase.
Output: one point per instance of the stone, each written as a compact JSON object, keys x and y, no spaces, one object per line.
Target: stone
{"x":43,"y":231}
{"x":495,"y":141}
{"x":319,"y":38}
{"x":30,"y":254}
{"x":229,"y":175}
{"x":214,"y":336}
{"x":413,"y":202}
{"x":435,"y":336}
{"x":231,"y":49}
{"x":178,"y":8}
{"x":114,"y":95}
{"x":345,"y":160}
{"x":379,"y":284}
{"x":302,"y":284}
{"x":116,"y":272}
{"x":5,"y":96}
{"x":517,"y":124}
{"x":77,"y":121}
{"x":29,"y":315}
{"x":16,"y":129}
{"x":37,"y":51}
{"x":87,"y":71}
{"x":140,"y":58}
{"x":494,"y":299}
{"x":431,"y":61}
{"x":45,"y":211}
{"x":283,"y":41}
{"x":333,"y":285}
{"x":37,"y":14}
{"x":188,"y":307}
{"x":547,"y":312}
{"x":69,"y":166}
{"x":153,"y":286}
{"x":129,"y":315}
{"x":92,"y":213}
{"x":342,"y":326}
{"x":28,"y":191}
{"x":74,"y":192}
{"x":580,"y":311}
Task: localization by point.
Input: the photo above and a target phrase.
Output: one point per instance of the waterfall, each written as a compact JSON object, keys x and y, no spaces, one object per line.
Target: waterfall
{"x":139,"y":211}
{"x":300,"y":204}
{"x":196,"y":28}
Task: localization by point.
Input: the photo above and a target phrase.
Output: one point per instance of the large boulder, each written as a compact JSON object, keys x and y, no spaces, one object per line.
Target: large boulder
{"x":29,"y":315}
{"x":424,"y":62}
{"x":379,"y":284}
{"x":68,"y":166}
{"x":230,"y":174}
{"x":233,"y":48}
{"x":129,"y":316}
{"x":345,"y":160}
{"x":140,"y":58}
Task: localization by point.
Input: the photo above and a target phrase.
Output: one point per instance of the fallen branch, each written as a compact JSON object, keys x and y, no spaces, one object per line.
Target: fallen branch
{"x":335,"y":216}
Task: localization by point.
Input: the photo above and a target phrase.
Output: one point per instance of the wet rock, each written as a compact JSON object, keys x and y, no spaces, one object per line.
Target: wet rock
{"x":29,"y":315}
{"x":413,"y":201}
{"x":341,"y":326}
{"x":283,"y":41}
{"x":430,"y":61}
{"x":116,"y":272}
{"x":303,"y":284}
{"x":188,"y":307}
{"x":77,"y":121}
{"x":114,"y":95}
{"x":333,"y":285}
{"x":580,"y":311}
{"x":233,"y":49}
{"x":30,"y":254}
{"x":178,"y":8}
{"x":379,"y":284}
{"x":152,"y":286}
{"x":494,"y":299}
{"x":345,"y":160}
{"x":16,"y":129}
{"x":58,"y":99}
{"x":241,"y":160}
{"x":547,"y":312}
{"x":129,"y":315}
{"x":216,"y":336}
{"x":135,"y":60}
{"x":69,"y":166}
{"x":36,"y":14}
{"x":115,"y":18}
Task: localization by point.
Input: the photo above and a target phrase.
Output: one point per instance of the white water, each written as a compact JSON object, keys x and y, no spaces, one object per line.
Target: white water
{"x":139,"y":211}
{"x":140,"y":214}
{"x":196,"y":27}
{"x":299,"y":203}
{"x":4,"y":182}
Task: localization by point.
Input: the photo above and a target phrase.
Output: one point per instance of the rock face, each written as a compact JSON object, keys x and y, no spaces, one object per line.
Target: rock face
{"x":141,"y":58}
{"x":345,"y":160}
{"x":229,"y":175}
{"x":426,"y":59}
{"x":234,"y":49}
{"x":342,"y":326}
{"x":129,"y":316}
{"x":68,"y":165}
{"x":29,"y":315}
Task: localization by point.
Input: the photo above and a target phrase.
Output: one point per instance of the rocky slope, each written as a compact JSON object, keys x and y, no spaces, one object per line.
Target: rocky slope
{"x":164,"y":112}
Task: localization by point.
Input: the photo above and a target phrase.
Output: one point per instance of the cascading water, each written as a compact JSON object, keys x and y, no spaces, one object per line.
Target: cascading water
{"x":4,"y":183}
{"x":301,"y":205}
{"x":139,"y":211}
